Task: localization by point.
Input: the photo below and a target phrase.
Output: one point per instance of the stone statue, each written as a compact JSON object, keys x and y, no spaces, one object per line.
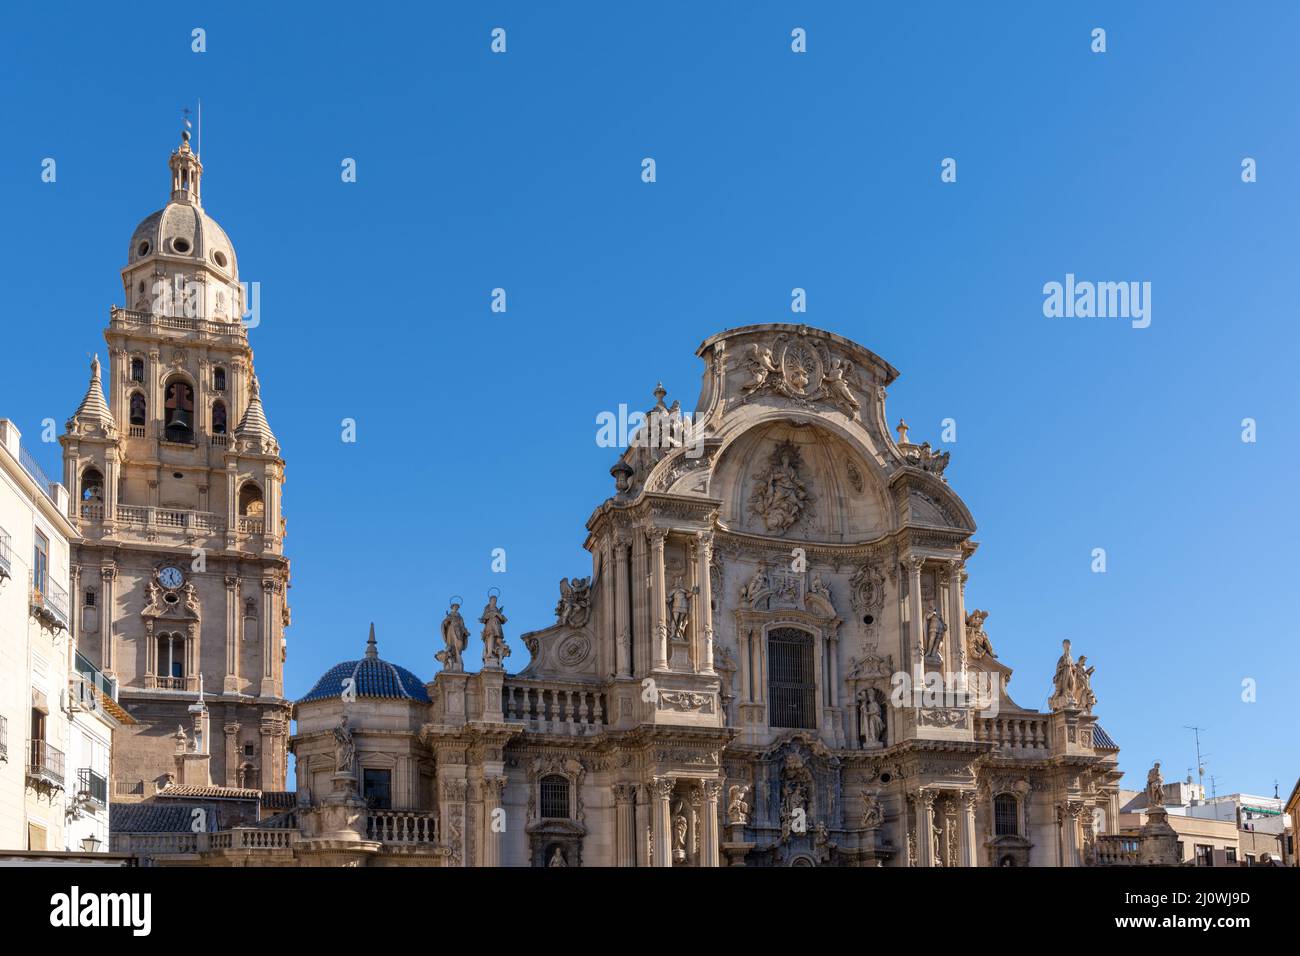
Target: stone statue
{"x":761,"y":365}
{"x":455,"y":638}
{"x":820,"y":587}
{"x":1083,"y":684}
{"x":494,"y":638}
{"x":679,"y":610}
{"x":780,"y":496}
{"x":837,"y":386}
{"x":935,"y":629}
{"x":344,"y":749}
{"x":870,"y":723}
{"x":1065,"y":680}
{"x":976,"y":640}
{"x":873,"y":811}
{"x":557,"y":858}
{"x":575,"y":602}
{"x":1155,"y":787}
{"x":680,"y":827}
{"x":756,"y":586}
{"x":738,"y":804}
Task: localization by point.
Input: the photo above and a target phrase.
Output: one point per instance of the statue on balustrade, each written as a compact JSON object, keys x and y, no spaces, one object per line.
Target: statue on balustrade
{"x":494,"y":638}
{"x":455,"y":637}
{"x":1065,"y":681}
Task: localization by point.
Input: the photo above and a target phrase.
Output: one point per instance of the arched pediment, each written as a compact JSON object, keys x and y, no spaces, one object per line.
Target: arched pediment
{"x":801,"y":480}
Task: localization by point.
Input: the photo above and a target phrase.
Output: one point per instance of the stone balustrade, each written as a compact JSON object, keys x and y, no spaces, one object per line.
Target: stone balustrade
{"x":1014,"y":733}
{"x":1113,"y":850}
{"x":401,"y":826}
{"x":558,"y":709}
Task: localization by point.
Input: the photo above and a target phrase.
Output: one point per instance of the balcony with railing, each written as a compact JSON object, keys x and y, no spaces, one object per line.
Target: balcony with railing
{"x":165,"y":682}
{"x":44,"y":766}
{"x":1011,"y":732}
{"x":4,"y":738}
{"x":6,"y":555}
{"x":50,"y":603}
{"x":88,"y":687}
{"x":131,"y":319}
{"x":170,"y":521}
{"x":411,"y":827}
{"x":547,"y":707}
{"x":92,"y":788}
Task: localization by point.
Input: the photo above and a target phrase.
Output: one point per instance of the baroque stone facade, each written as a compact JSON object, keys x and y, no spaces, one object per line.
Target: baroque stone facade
{"x":179,"y":579}
{"x":769,"y":662}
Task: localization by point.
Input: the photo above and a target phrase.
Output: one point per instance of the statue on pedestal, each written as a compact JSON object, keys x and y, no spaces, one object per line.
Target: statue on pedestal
{"x":344,"y":748}
{"x":679,"y":610}
{"x":494,"y":638}
{"x":738,"y":804}
{"x":1155,"y":787}
{"x":935,"y":629}
{"x":455,"y":637}
{"x":1065,"y":681}
{"x":870,"y":722}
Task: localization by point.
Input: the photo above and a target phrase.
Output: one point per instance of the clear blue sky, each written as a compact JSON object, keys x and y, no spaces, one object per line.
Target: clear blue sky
{"x":775,"y":170}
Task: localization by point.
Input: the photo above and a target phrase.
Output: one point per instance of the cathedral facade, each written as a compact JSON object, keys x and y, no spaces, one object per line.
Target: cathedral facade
{"x":769,"y":662}
{"x":179,"y":577}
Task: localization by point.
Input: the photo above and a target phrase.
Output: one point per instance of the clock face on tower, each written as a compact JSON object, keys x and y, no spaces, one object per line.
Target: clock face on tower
{"x":170,"y":577}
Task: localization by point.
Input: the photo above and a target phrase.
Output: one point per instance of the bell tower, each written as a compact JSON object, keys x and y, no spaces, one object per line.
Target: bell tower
{"x":180,"y":580}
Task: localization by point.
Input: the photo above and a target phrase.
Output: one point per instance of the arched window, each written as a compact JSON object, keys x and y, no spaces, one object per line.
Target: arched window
{"x":92,"y":486}
{"x":792,"y":684}
{"x":1006,"y":815}
{"x":554,"y":797}
{"x":137,"y":370}
{"x":138,"y":408}
{"x":218,"y":418}
{"x":219,"y":379}
{"x":179,"y":412}
{"x":250,"y":500}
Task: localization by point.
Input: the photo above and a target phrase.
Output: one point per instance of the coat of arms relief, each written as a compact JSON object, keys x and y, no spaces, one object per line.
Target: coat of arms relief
{"x":802,"y":371}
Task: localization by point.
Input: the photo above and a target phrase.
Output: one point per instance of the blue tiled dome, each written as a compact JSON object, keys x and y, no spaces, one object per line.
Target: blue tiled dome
{"x":372,"y":677}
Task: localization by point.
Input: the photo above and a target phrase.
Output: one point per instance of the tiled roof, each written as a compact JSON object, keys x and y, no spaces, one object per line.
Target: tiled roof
{"x":210,"y":793}
{"x":1101,"y":740}
{"x":279,"y":799}
{"x":158,"y":817}
{"x":371,"y":677}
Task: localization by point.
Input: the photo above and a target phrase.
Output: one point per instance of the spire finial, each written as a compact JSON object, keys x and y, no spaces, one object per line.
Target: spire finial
{"x":902,"y":432}
{"x":372,"y":647}
{"x":659,"y":393}
{"x":94,"y":368}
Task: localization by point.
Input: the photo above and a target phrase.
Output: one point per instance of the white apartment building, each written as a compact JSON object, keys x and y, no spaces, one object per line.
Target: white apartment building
{"x":57,"y":712}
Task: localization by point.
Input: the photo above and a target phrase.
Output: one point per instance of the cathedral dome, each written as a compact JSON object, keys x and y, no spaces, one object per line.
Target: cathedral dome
{"x":371,"y":677}
{"x":181,"y":229}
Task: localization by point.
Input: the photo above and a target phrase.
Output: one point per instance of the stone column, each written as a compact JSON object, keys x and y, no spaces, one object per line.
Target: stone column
{"x":661,"y":792}
{"x":269,"y":650}
{"x":917,"y":630}
{"x":640,"y":622}
{"x":1070,"y":812}
{"x":905,"y":821}
{"x":270,"y":732}
{"x":493,"y":788}
{"x":107,"y":649}
{"x":710,"y":854}
{"x":233,"y":612}
{"x":622,"y":619}
{"x":704,"y":550}
{"x":112,"y":477}
{"x":232,"y":753}
{"x":969,"y":852}
{"x":624,"y":831}
{"x":659,"y":611}
{"x":925,"y":848}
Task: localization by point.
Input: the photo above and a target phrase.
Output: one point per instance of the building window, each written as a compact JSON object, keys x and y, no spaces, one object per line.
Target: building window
{"x":218,"y":418}
{"x":171,"y":657}
{"x":1006,"y":815}
{"x":219,"y":379}
{"x":90,"y":598}
{"x":1232,"y":856}
{"x":41,"y":563}
{"x":1204,"y":855}
{"x":555,"y":797}
{"x":138,"y":408}
{"x":178,"y":409}
{"x":250,"y":500}
{"x":137,"y":369}
{"x":791,"y":683}
{"x":377,"y":788}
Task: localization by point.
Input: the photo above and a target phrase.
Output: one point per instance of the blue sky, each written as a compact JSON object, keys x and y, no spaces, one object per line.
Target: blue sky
{"x":775,"y":170}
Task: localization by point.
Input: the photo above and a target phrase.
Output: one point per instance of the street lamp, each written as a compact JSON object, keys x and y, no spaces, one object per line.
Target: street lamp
{"x":90,"y":844}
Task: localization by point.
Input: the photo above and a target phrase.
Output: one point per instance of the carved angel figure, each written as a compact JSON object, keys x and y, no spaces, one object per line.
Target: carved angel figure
{"x":761,"y":365}
{"x":976,"y":640}
{"x":495,"y":648}
{"x":575,"y":602}
{"x":455,"y":638}
{"x":1083,"y":684}
{"x":837,"y":386}
{"x":873,"y":812}
{"x":756,"y":586}
{"x":738,"y":803}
